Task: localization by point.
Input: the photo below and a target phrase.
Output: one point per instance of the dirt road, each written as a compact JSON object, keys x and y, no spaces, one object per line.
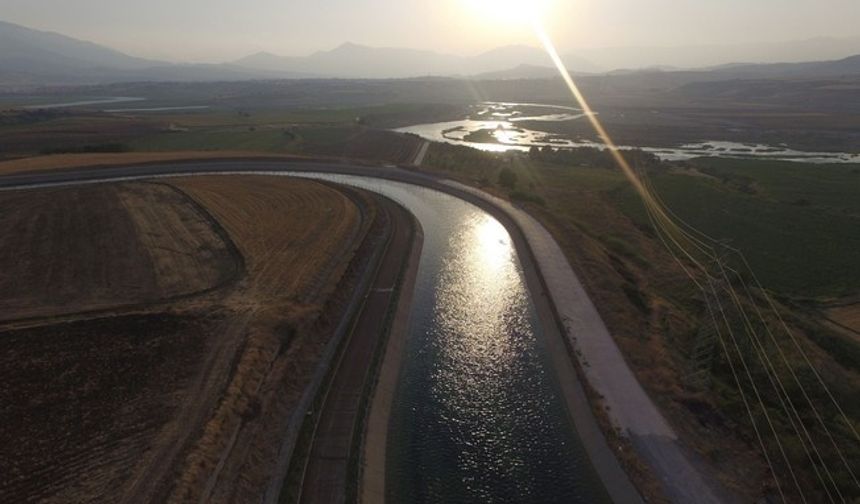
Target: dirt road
{"x":331,"y":465}
{"x":422,"y":152}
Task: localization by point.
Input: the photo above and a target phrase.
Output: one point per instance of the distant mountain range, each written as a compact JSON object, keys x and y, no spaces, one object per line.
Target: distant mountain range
{"x":31,"y":58}
{"x":36,"y":58}
{"x":357,"y":61}
{"x":705,"y":56}
{"x":31,"y":50}
{"x":840,"y":67}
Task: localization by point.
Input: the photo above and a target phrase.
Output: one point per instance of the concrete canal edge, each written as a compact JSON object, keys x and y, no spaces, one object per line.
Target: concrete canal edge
{"x":372,"y":465}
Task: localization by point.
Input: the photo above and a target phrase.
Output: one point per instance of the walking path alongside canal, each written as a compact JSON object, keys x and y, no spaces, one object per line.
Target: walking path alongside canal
{"x":327,"y":471}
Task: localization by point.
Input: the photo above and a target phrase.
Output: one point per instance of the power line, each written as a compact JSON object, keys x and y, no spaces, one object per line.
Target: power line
{"x":660,"y":230}
{"x":812,"y":406}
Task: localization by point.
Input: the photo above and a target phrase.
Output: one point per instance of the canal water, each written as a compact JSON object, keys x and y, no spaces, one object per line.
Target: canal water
{"x":478,"y":414}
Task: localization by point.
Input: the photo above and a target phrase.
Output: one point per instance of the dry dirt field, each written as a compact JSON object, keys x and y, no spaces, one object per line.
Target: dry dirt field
{"x":60,"y":161}
{"x":153,"y":335}
{"x":297,"y":238}
{"x":96,"y":247}
{"x":273,"y":221}
{"x":83,"y":401}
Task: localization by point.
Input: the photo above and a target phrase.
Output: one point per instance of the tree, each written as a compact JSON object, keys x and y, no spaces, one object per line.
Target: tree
{"x":507,"y":178}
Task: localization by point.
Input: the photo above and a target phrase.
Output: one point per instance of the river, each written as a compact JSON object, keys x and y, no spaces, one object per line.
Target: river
{"x":494,"y":127}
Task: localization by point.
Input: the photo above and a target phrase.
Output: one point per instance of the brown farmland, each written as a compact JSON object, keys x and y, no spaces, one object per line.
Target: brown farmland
{"x":154,"y":335}
{"x":66,"y":161}
{"x":83,"y":401}
{"x":85,"y":248}
{"x":273,"y":221}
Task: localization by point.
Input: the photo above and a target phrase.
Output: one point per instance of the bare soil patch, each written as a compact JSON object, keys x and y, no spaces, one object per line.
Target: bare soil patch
{"x":83,"y":401}
{"x":77,"y":249}
{"x":65,"y":161}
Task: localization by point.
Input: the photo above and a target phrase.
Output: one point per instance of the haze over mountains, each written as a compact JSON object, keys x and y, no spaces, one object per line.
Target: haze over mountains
{"x":36,"y":58}
{"x":353,"y":60}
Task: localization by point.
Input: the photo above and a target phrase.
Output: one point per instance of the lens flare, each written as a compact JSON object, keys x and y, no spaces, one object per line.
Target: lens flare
{"x":673,"y":232}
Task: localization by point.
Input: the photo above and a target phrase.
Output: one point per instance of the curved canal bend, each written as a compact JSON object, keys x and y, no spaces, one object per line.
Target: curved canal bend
{"x":478,"y":414}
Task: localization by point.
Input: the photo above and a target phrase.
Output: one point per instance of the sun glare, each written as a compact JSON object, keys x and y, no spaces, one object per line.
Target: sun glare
{"x":508,"y":12}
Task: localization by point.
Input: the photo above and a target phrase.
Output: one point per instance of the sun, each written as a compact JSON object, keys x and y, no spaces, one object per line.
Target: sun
{"x":508,"y":12}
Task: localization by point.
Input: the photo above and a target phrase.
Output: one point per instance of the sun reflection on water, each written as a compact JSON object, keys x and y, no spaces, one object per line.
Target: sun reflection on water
{"x":480,"y":299}
{"x":492,"y":250}
{"x":477,"y":414}
{"x":483,"y":315}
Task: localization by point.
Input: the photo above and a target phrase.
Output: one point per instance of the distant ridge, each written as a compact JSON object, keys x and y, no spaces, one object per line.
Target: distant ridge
{"x":520,"y":72}
{"x":24,"y":46}
{"x":360,"y":61}
{"x":30,"y":58}
{"x":38,"y":58}
{"x":841,"y":67}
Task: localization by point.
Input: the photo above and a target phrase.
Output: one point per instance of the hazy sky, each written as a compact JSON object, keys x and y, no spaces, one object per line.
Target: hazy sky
{"x":217,"y":30}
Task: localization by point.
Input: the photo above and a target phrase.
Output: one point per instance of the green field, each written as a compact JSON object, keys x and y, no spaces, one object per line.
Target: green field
{"x":798,"y":225}
{"x":352,"y":132}
{"x":236,"y":139}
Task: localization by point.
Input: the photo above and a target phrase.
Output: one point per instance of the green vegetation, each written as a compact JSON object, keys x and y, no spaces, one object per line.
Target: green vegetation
{"x":526,"y":197}
{"x":247,"y":139}
{"x":85,"y":149}
{"x":338,"y":132}
{"x":591,"y":157}
{"x":482,"y":136}
{"x":798,"y":225}
{"x":832,"y":188}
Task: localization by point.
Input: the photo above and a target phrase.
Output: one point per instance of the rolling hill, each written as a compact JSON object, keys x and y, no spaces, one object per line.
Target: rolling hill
{"x":31,"y":50}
